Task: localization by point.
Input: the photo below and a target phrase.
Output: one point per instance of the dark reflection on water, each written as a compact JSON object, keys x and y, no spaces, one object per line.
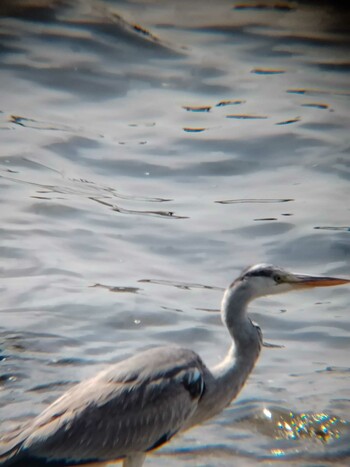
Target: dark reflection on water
{"x":153,"y":151}
{"x":234,"y":201}
{"x":180,"y":285}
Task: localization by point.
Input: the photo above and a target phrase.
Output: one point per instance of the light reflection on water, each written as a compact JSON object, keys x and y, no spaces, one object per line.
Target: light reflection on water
{"x":153,"y":154}
{"x":315,"y":426}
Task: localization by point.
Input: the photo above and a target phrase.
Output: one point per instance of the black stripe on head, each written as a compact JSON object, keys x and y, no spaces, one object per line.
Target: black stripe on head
{"x":260,"y":270}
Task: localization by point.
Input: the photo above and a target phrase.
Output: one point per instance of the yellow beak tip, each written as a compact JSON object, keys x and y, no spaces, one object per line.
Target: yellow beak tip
{"x":322,"y":282}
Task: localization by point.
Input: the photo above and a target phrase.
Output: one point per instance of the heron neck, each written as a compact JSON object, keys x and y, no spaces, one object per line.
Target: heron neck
{"x":226,"y":379}
{"x":231,"y":374}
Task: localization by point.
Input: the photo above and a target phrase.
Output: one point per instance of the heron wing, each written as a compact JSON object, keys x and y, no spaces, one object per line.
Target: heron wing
{"x":134,"y":406}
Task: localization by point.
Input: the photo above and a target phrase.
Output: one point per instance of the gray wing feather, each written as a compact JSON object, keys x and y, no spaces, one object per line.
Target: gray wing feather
{"x":135,"y":405}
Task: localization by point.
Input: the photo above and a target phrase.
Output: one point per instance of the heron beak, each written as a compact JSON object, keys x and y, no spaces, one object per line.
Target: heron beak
{"x":304,"y":281}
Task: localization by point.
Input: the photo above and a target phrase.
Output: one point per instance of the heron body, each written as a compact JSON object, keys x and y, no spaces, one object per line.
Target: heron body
{"x":140,"y":403}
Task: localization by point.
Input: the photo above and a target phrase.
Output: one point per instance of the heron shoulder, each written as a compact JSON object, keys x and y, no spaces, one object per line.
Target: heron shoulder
{"x":158,"y":362}
{"x":160,"y":367}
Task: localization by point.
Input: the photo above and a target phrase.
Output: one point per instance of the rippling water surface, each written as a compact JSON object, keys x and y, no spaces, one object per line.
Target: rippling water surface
{"x":149,"y":151}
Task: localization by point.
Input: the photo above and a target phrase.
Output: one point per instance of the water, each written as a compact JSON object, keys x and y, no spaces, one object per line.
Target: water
{"x":149,"y":152}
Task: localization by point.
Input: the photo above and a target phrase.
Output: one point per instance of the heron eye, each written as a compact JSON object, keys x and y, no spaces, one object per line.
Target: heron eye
{"x":278,"y":279}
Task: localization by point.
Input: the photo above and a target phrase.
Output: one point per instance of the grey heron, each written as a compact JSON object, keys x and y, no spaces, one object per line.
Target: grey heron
{"x":140,"y":403}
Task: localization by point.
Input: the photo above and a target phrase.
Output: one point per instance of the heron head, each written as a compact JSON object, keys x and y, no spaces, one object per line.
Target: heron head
{"x":265,"y":279}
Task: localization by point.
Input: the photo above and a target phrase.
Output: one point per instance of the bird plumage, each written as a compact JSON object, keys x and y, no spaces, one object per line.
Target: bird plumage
{"x":140,"y":403}
{"x":118,"y":404}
